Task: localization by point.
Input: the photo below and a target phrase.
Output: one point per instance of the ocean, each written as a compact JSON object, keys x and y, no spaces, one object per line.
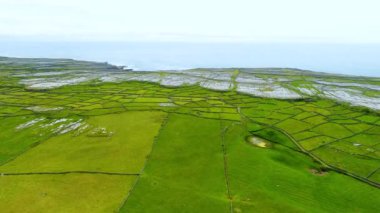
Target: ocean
{"x":351,"y":59}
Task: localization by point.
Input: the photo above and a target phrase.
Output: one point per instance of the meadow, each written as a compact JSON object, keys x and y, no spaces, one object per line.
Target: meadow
{"x":141,"y":146}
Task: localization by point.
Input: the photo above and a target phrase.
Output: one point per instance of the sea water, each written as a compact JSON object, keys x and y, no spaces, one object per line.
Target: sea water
{"x":352,"y":59}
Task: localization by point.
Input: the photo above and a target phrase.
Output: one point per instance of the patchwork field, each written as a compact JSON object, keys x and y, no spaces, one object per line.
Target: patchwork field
{"x":90,"y":137}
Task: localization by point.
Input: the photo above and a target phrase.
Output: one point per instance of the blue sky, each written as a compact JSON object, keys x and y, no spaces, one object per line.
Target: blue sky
{"x":193,"y":20}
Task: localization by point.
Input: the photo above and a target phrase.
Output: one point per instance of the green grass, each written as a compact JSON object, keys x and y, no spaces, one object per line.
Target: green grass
{"x":185,"y":170}
{"x":349,"y":147}
{"x":293,"y":126}
{"x":369,"y":118}
{"x":279,"y":180}
{"x":20,"y":133}
{"x":304,"y":135}
{"x":376,"y":176}
{"x":200,"y":161}
{"x":63,"y":193}
{"x":360,"y":165}
{"x":275,"y":136}
{"x":365,"y":139}
{"x":332,"y":130}
{"x":314,"y":142}
{"x":124,"y":151}
{"x":357,"y":128}
{"x":15,"y":142}
{"x":316,"y":120}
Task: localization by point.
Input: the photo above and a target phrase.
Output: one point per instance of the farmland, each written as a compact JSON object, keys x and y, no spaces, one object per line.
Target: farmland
{"x":82,"y":136}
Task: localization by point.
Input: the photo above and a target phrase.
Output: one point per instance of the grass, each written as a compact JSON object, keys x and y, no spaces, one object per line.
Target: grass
{"x":375,"y":176}
{"x":315,"y":142}
{"x":279,"y":180}
{"x":350,"y":147}
{"x":200,"y":161}
{"x":293,"y":126}
{"x":358,"y":128}
{"x":15,"y":142}
{"x":275,"y":136}
{"x":124,"y":151}
{"x":365,"y":139}
{"x":176,"y":178}
{"x":304,"y":135}
{"x":316,"y":120}
{"x":292,"y":117}
{"x":332,"y":130}
{"x":63,"y":193}
{"x":20,"y":133}
{"x":360,"y":165}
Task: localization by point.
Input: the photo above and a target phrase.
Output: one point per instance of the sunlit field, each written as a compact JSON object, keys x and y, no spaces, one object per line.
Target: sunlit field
{"x":93,"y":137}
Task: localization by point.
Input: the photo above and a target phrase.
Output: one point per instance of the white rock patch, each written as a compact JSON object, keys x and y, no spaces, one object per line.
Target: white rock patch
{"x":267,"y":90}
{"x":29,"y":123}
{"x":43,"y":109}
{"x":351,"y":96}
{"x":216,"y":85}
{"x":178,"y":80}
{"x":344,"y":84}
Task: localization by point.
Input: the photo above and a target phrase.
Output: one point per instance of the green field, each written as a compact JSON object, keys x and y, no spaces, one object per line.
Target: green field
{"x":139,"y":146}
{"x":123,"y":151}
{"x":63,"y":193}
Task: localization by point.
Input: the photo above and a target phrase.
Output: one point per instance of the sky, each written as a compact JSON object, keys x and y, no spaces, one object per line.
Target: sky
{"x":347,"y":21}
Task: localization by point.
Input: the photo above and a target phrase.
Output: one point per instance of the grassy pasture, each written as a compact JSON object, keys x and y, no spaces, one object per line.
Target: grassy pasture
{"x":332,"y":130}
{"x":185,"y":171}
{"x":124,"y":151}
{"x":200,"y":160}
{"x":63,"y":193}
{"x":279,"y":180}
{"x":295,"y":118}
{"x":293,"y":126}
{"x":375,"y":176}
{"x":360,"y":165}
{"x":315,"y":142}
{"x":15,"y":142}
